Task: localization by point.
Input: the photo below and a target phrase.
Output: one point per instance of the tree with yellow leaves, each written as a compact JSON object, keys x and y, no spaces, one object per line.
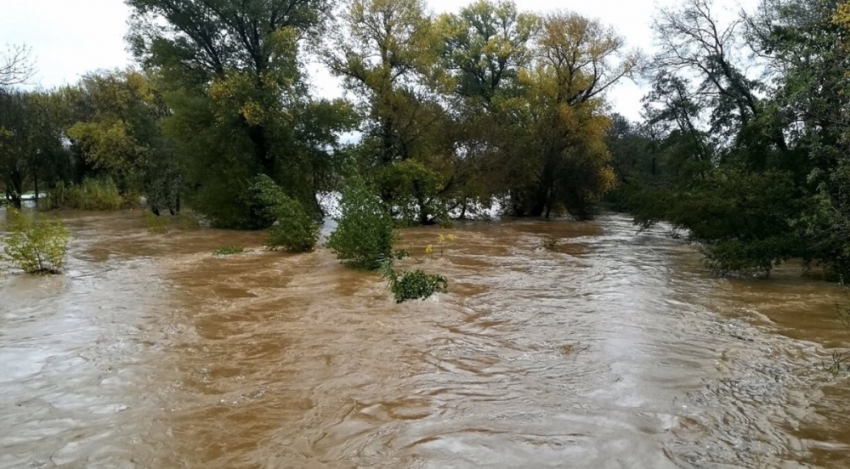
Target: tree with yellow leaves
{"x":559,"y":160}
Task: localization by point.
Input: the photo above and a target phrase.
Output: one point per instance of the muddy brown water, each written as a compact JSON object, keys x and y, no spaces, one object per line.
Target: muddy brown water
{"x":618,"y":350}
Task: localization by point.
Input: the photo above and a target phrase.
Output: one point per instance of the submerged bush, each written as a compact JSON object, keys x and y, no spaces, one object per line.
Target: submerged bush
{"x":92,"y":194}
{"x":294,"y":230}
{"x":228,"y":251}
{"x":161,"y":224}
{"x":187,"y":221}
{"x":365,"y":235}
{"x":156,"y":224}
{"x":550,"y":243}
{"x":416,"y":285}
{"x":34,"y":244}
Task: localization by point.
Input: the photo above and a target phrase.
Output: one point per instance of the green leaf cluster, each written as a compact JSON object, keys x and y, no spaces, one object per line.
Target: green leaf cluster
{"x":294,"y":230}
{"x":228,"y":251}
{"x":414,"y":285}
{"x":35,"y":244}
{"x":365,"y":233}
{"x":91,"y":194}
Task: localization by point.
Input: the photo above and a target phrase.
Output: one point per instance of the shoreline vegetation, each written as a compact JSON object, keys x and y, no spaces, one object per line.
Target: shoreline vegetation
{"x":491,"y":107}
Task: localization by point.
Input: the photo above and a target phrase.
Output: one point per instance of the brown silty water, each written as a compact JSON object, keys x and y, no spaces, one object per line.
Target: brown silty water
{"x":615,"y":350}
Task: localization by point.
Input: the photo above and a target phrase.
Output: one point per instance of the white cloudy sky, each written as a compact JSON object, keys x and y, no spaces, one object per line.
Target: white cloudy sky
{"x":72,"y":37}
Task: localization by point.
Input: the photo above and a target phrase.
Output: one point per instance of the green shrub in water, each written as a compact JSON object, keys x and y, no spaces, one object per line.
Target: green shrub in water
{"x":155,"y":224}
{"x":34,"y":244}
{"x":161,"y":224}
{"x":365,"y":235}
{"x":228,"y":251}
{"x":294,"y":230}
{"x":92,"y":194}
{"x":416,"y":285}
{"x":188,"y":221}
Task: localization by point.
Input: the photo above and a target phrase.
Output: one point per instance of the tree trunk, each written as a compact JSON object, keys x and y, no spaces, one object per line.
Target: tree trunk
{"x":261,"y":149}
{"x":387,"y":141}
{"x":35,"y":183}
{"x":14,"y":191}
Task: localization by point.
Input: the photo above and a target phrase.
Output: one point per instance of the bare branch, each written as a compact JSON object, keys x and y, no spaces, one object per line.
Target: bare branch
{"x":17,"y":66}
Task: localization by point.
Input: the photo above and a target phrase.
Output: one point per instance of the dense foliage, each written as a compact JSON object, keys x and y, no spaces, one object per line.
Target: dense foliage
{"x":366,"y":232}
{"x":91,"y":194}
{"x":414,"y":285}
{"x":294,"y":230}
{"x":743,"y":146}
{"x":34,"y":244}
{"x":754,"y":168}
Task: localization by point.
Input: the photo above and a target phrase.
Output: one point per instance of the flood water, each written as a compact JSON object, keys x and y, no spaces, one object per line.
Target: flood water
{"x":617,"y":350}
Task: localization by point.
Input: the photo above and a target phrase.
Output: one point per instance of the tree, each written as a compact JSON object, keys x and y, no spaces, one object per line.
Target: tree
{"x":230,"y":73}
{"x":13,"y":144}
{"x":755,"y":166}
{"x":386,"y":53}
{"x":33,"y":154}
{"x":485,"y":47}
{"x":559,"y":159}
{"x":46,"y":155}
{"x":119,"y":136}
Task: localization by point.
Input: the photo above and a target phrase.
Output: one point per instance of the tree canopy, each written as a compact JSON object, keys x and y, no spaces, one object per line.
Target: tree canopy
{"x":742,"y":144}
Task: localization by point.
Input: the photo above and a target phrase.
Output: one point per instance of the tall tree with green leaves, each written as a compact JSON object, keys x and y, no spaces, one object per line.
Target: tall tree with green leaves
{"x":807,"y":51}
{"x":386,"y":53}
{"x":230,"y":72}
{"x":32,"y":150}
{"x":485,"y":47}
{"x":120,"y":138}
{"x":47,"y":157}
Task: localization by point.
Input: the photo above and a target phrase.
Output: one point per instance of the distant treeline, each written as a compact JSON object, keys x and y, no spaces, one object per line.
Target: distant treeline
{"x":744,"y":141}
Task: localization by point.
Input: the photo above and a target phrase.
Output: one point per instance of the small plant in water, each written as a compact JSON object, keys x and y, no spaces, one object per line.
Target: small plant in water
{"x":34,"y":244}
{"x":442,"y":241}
{"x":228,"y":251}
{"x":841,"y":360}
{"x":416,"y":285}
{"x":550,"y":243}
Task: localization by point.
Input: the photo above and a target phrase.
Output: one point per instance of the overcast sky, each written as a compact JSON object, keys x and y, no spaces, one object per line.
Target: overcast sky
{"x":72,"y":37}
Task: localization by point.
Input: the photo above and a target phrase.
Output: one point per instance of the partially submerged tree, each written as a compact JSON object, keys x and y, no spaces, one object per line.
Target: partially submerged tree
{"x":230,"y":73}
{"x":294,"y":230}
{"x":559,"y":159}
{"x":366,"y":233}
{"x":119,"y":136}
